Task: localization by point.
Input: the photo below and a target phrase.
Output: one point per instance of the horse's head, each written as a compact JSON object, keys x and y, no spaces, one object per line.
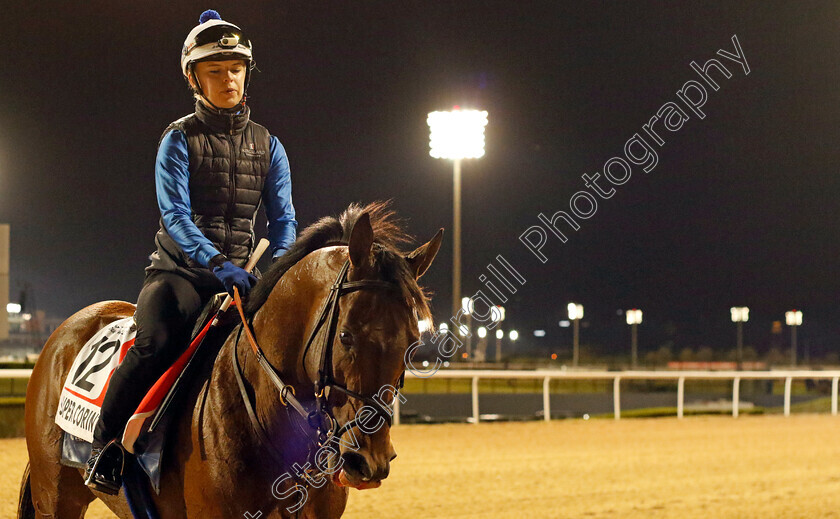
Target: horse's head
{"x":376,"y":323}
{"x":347,"y":293}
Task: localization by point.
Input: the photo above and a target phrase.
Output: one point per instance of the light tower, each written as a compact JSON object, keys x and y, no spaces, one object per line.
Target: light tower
{"x":456,"y":135}
{"x":740,"y":315}
{"x":634,"y":319}
{"x":575,"y":315}
{"x":793,"y":319}
{"x":498,"y":315}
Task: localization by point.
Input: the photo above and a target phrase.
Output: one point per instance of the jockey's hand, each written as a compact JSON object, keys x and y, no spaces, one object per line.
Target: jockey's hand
{"x":232,"y":276}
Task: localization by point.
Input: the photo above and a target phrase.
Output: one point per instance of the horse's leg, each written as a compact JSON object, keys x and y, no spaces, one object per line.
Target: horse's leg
{"x":57,"y":491}
{"x":63,"y":497}
{"x":26,"y":510}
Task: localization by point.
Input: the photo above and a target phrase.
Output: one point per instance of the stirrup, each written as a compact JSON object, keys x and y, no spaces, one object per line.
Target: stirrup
{"x":105,"y":474}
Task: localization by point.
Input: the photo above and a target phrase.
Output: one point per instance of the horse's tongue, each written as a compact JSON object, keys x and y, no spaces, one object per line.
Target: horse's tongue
{"x":342,"y":481}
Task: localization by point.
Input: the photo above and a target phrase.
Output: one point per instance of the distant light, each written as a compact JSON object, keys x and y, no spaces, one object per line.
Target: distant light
{"x":482,"y":332}
{"x":464,"y":355}
{"x":740,"y":314}
{"x":13,"y":308}
{"x":424,"y":325}
{"x":463,"y":330}
{"x":575,"y":311}
{"x":497,"y":314}
{"x":634,"y":316}
{"x":500,"y":334}
{"x":513,"y":335}
{"x":585,"y":416}
{"x":793,"y":318}
{"x":458,"y":134}
{"x":27,"y":317}
{"x":539,"y":333}
{"x":468,"y":305}
{"x":446,"y":364}
{"x":565,"y":324}
{"x":553,"y":356}
{"x":443,"y":328}
{"x":425,"y":363}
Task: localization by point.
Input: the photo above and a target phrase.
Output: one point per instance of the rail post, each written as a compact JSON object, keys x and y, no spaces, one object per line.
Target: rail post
{"x":475,"y":398}
{"x":680,"y":396}
{"x":834,"y":382}
{"x":546,"y":399}
{"x":617,"y":397}
{"x":736,"y":396}
{"x":396,"y":418}
{"x":788,"y":381}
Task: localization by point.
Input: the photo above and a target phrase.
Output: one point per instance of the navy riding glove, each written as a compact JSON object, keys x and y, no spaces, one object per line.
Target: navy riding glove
{"x":232,"y":276}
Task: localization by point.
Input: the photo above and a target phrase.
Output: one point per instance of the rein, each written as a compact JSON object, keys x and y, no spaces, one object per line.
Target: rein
{"x":321,"y":419}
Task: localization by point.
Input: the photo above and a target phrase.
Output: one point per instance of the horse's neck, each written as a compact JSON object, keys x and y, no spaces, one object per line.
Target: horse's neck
{"x":288,"y":313}
{"x":221,"y":428}
{"x":279,"y":328}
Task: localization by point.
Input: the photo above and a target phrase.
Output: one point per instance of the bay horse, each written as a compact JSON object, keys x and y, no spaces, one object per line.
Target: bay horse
{"x":221,"y":463}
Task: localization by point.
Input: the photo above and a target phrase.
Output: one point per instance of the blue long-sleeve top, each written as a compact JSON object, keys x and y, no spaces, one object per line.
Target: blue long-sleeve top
{"x":172,"y":182}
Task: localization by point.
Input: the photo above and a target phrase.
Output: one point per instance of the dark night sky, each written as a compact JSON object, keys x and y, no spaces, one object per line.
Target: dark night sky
{"x":742,"y":208}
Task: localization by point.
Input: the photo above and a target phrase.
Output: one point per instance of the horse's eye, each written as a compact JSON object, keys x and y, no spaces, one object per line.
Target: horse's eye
{"x":346,"y":338}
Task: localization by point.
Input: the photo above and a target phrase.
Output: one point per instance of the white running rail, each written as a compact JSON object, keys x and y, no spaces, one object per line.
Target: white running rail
{"x":617,"y":376}
{"x":15,"y":373}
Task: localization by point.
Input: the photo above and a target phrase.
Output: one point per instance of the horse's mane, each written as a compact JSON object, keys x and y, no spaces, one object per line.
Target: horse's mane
{"x":388,"y":235}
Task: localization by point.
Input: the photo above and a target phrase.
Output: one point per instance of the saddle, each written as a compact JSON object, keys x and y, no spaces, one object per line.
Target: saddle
{"x":144,"y":437}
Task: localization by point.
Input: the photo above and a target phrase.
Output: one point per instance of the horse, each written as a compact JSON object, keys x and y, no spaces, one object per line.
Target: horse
{"x":237,"y":448}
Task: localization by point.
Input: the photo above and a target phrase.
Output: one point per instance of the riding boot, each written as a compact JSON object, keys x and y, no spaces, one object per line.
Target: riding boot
{"x":105,"y":468}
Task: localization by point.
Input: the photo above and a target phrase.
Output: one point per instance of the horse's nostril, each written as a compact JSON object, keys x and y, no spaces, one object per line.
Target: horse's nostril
{"x":355,"y":462}
{"x":393,"y":457}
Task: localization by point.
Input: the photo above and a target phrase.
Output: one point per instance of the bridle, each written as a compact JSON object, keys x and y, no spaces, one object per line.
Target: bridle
{"x":325,"y":421}
{"x":321,"y":419}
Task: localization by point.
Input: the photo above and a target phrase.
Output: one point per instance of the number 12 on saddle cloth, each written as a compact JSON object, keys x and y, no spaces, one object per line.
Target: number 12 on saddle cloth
{"x":81,"y":397}
{"x":84,"y":390}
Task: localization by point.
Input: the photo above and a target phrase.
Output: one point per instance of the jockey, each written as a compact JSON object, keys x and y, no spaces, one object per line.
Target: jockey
{"x":214,"y":169}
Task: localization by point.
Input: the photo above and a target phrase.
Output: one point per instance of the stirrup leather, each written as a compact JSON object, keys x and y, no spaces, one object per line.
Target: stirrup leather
{"x":106,"y":473}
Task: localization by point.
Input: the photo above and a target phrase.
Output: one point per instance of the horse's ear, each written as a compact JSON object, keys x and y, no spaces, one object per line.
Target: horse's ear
{"x":361,"y":241}
{"x":421,"y":258}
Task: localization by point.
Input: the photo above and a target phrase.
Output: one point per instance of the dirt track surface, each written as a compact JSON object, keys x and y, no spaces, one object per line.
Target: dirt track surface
{"x":717,"y":467}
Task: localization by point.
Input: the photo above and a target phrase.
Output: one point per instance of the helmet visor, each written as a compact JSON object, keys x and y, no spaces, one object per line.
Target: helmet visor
{"x":226,"y":37}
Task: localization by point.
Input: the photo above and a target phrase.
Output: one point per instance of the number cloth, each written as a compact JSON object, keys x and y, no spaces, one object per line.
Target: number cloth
{"x":83,"y":391}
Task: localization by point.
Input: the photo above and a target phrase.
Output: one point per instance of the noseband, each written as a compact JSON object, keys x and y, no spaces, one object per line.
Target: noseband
{"x":321,"y":419}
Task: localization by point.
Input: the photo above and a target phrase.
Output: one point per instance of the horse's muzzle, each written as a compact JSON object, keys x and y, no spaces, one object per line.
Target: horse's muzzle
{"x":358,"y":473}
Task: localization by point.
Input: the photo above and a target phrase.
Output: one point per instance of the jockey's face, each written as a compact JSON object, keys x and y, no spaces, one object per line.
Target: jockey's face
{"x":222,"y":82}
